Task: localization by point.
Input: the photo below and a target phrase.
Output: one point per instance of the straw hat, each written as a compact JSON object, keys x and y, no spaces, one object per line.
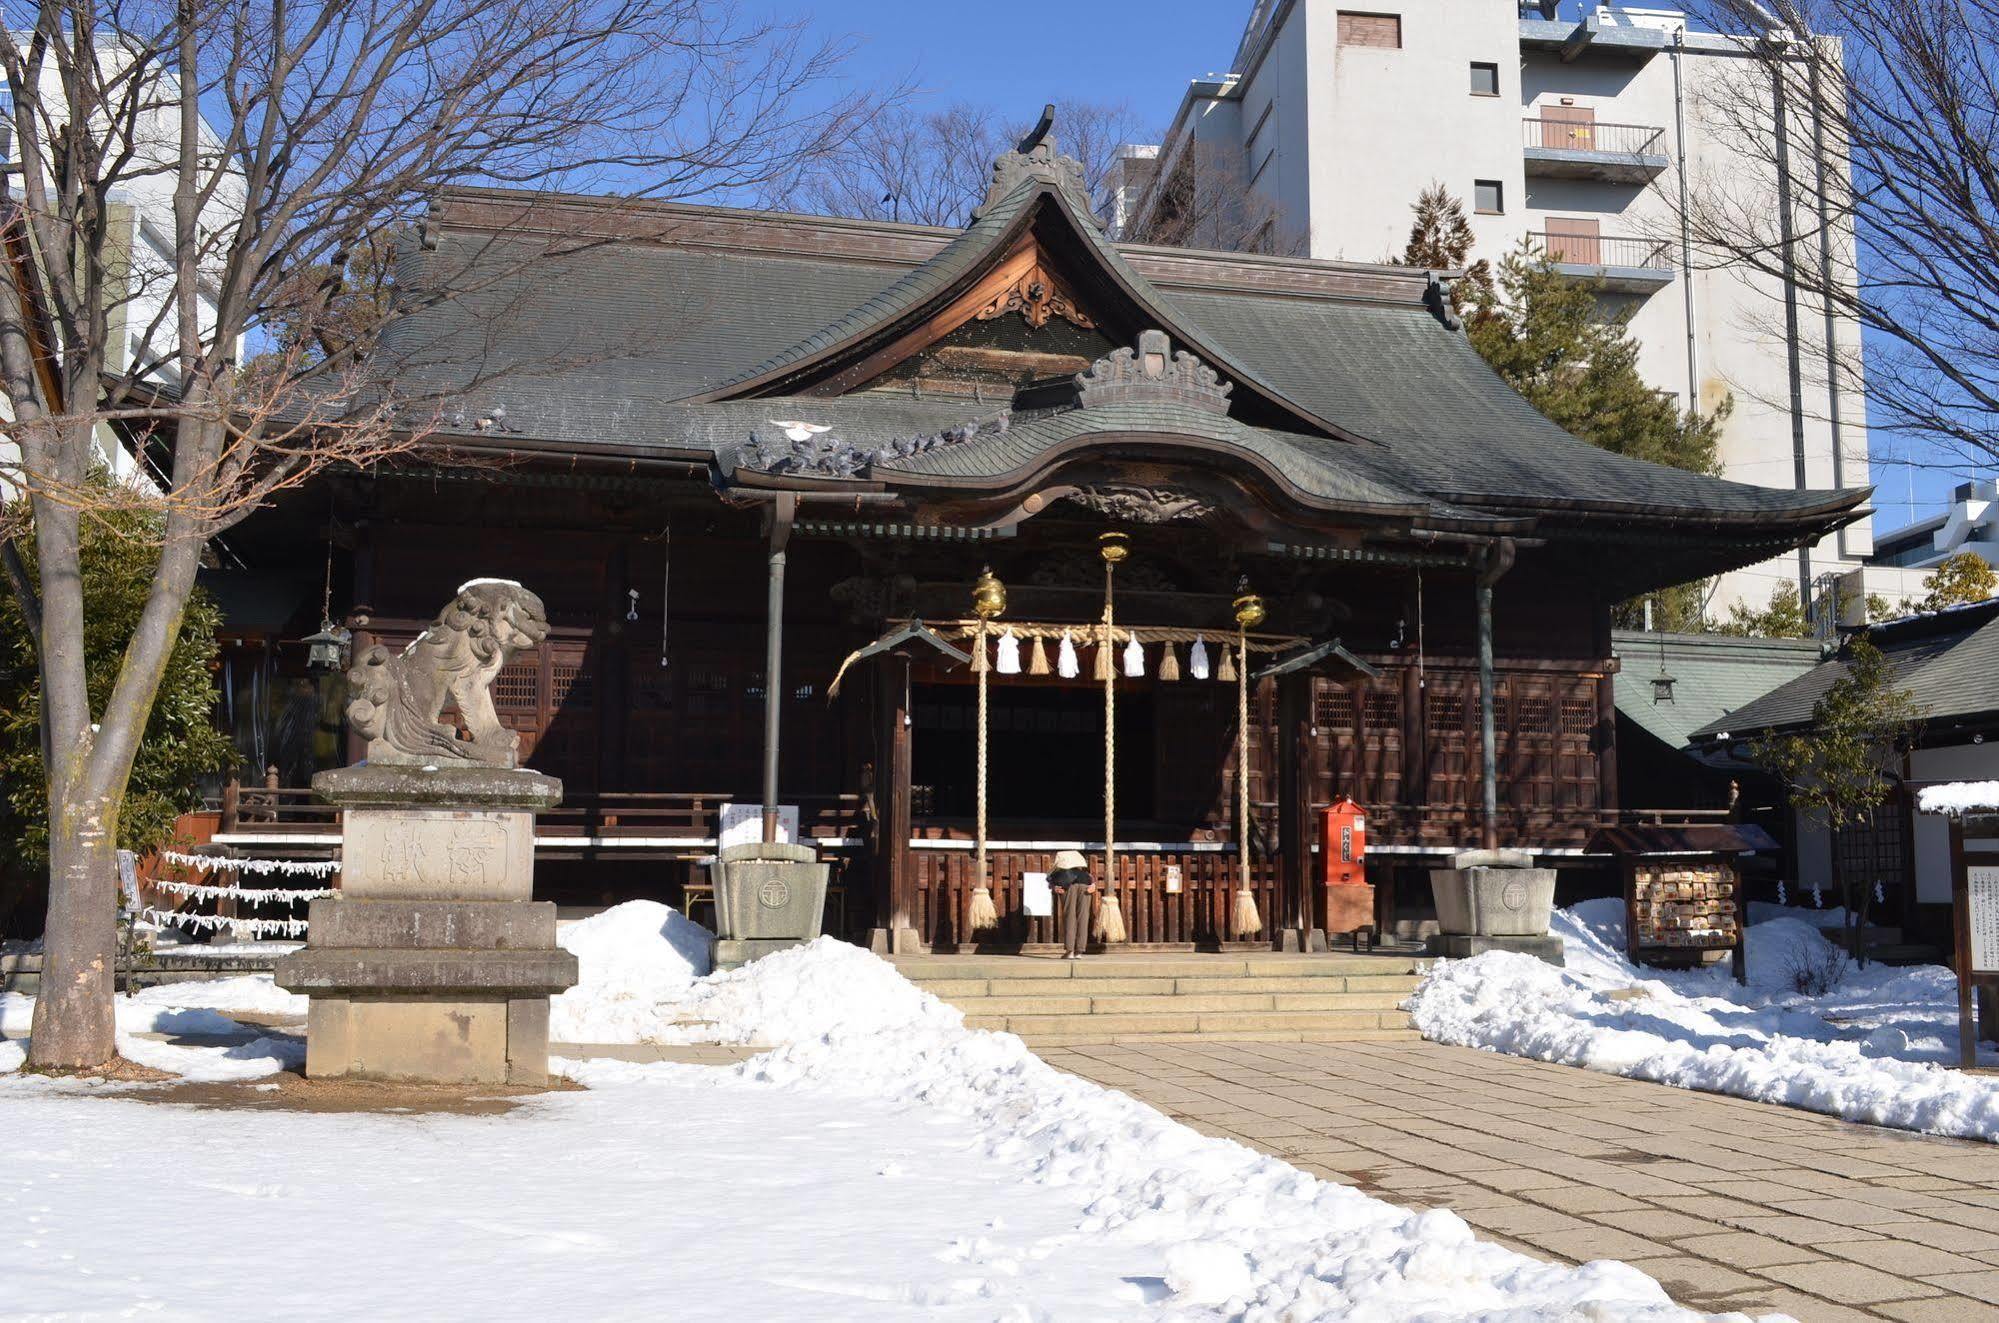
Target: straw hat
{"x":1070,"y":859}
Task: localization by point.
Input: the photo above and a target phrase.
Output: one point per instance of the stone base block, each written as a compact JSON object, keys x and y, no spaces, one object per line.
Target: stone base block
{"x":428,"y":1040}
{"x":467,"y":925}
{"x":734,"y":953}
{"x":479,"y":975}
{"x":1458,"y":946}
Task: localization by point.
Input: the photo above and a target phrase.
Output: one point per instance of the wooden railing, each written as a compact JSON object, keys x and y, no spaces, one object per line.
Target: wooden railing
{"x":295,"y":810}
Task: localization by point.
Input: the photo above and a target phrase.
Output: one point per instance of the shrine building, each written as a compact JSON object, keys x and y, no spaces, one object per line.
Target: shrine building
{"x":709,"y":436}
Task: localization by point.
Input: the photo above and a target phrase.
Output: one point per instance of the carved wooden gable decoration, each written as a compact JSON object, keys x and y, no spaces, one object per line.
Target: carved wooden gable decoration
{"x":1031,"y":294}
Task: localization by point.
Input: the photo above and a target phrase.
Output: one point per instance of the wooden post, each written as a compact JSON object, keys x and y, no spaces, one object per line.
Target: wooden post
{"x":783,"y":511}
{"x":895,"y":911}
{"x":1960,"y":921}
{"x":1296,"y":931}
{"x":1494,"y":562}
{"x":1606,"y":746}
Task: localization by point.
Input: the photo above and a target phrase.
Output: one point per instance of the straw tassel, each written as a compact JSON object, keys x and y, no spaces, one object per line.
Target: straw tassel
{"x":1248,"y":923}
{"x":1169,"y":665}
{"x":1227,"y":674}
{"x":1110,"y":920}
{"x":984,"y":917}
{"x":1104,"y":669}
{"x":1037,"y":658}
{"x":979,"y":662}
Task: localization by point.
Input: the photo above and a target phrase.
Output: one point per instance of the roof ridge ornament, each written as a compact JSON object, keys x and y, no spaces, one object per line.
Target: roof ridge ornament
{"x":1036,"y":157}
{"x":1153,"y":373}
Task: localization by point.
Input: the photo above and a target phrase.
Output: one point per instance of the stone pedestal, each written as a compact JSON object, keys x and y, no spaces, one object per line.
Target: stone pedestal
{"x":432,"y":965}
{"x":1493,"y":900}
{"x":767,"y":897}
{"x":1461,"y":946}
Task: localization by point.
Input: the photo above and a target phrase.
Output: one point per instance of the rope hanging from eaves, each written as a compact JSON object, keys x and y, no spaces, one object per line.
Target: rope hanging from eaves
{"x":1080,"y":635}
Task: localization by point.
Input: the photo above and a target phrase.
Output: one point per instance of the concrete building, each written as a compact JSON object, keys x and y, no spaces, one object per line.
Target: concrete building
{"x":1577,"y":132}
{"x":1970,"y":524}
{"x":141,"y":219}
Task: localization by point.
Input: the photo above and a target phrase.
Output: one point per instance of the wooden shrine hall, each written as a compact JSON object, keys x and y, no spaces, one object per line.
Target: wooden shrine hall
{"x":1268,"y":532}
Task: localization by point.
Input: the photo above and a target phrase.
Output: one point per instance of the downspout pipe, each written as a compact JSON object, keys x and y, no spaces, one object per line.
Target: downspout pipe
{"x":1832,"y":372}
{"x":783,"y":514}
{"x":1493,"y":563}
{"x":1787,"y":239}
{"x":1686,"y":221}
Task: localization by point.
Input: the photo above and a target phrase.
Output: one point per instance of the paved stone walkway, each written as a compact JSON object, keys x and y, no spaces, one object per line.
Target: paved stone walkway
{"x":1732,"y":1205}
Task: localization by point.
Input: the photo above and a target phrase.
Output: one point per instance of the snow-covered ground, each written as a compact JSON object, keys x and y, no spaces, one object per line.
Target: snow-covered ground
{"x":880,"y":1162}
{"x":1871,"y":1047}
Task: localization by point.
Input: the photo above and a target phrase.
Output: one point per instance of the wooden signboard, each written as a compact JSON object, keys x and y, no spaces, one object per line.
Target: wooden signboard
{"x":1974,"y":897}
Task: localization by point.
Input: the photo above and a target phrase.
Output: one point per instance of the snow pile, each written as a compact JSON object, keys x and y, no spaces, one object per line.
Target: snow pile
{"x":1866,"y":1050}
{"x":824,"y":990}
{"x":1228,"y":1229}
{"x":632,"y":961}
{"x":245,"y":994}
{"x":1958,"y":797}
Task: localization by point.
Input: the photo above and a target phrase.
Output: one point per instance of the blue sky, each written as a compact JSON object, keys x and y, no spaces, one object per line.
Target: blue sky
{"x":1014,"y":56}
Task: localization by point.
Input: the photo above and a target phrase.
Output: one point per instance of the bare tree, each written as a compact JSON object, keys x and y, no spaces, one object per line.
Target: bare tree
{"x":933,"y":168}
{"x":1871,"y":127}
{"x":293,"y":140}
{"x":1200,"y":197}
{"x":922,"y":168}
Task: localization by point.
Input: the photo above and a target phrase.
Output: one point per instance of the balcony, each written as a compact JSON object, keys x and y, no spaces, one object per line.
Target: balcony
{"x":1618,"y":265}
{"x":1584,"y":149}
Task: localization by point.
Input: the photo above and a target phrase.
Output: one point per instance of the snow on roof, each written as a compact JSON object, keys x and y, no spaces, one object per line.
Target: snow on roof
{"x":1959,"y":797}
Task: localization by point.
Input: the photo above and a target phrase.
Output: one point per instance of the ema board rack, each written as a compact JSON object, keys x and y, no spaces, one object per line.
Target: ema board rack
{"x":1683,"y":899}
{"x":1687,"y":904}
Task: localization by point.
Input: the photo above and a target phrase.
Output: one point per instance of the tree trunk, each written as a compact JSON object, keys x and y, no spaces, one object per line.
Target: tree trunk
{"x":73,"y":1026}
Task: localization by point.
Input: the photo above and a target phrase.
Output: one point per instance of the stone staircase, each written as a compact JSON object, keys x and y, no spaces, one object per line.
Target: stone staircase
{"x":1124,"y":998}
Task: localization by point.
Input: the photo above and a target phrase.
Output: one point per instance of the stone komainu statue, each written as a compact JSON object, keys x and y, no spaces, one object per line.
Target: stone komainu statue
{"x":397,"y":697}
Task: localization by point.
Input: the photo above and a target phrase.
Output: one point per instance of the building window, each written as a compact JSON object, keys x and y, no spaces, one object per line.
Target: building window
{"x":1488,"y":197}
{"x":1484,"y":79}
{"x":1383,"y":31}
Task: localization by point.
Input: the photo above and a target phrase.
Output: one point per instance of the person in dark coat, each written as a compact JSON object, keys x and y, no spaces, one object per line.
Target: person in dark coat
{"x":1072,"y":886}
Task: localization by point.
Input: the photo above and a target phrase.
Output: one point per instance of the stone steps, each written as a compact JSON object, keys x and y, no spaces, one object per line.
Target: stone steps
{"x":1322,"y":998}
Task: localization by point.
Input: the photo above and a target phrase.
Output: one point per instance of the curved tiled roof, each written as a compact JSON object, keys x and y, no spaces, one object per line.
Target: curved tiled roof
{"x":639,"y":343}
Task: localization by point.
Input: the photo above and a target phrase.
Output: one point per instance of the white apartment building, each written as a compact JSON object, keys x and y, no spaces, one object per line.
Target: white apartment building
{"x":1577,"y":130}
{"x":140,"y":212}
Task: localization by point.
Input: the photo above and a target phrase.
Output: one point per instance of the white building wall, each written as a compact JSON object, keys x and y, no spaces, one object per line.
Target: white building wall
{"x":1958,"y":762}
{"x":142,"y":215}
{"x":1378,"y":126}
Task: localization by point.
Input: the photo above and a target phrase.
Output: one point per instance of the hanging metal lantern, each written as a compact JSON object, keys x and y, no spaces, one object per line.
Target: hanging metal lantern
{"x":326,"y":651}
{"x":988,"y":596}
{"x":1662,"y":687}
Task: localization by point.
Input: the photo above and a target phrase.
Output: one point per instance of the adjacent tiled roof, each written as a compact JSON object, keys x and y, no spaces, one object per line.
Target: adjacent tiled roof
{"x":1713,"y":674}
{"x":1948,"y":660}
